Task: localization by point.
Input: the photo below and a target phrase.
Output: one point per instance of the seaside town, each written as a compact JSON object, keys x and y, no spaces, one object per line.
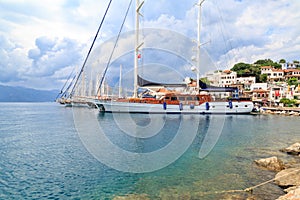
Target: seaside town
{"x":270,"y":85}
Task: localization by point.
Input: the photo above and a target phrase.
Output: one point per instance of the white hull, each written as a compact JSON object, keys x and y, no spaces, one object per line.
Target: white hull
{"x":243,"y":107}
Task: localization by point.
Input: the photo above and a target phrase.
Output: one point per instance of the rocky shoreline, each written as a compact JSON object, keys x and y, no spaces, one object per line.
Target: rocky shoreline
{"x":288,"y":111}
{"x":288,"y":174}
{"x":287,"y":177}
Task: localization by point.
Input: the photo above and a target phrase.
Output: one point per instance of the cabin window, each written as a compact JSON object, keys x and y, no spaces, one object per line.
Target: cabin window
{"x":246,"y":105}
{"x":236,"y":106}
{"x":189,"y":98}
{"x":181,"y":98}
{"x":173,"y":98}
{"x":167,"y":98}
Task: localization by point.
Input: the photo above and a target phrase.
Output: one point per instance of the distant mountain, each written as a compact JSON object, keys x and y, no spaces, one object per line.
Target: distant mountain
{"x":21,"y":94}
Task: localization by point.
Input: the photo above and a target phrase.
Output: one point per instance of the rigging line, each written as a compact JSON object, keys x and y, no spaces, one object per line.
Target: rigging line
{"x":69,"y":86}
{"x":115,"y":45}
{"x":62,"y":89}
{"x":223,"y":34}
{"x":80,"y":72}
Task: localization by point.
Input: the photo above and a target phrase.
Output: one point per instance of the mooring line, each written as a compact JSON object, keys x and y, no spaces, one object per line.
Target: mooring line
{"x":249,"y":189}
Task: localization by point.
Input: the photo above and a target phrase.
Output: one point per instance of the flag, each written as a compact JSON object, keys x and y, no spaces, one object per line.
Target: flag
{"x":277,"y":93}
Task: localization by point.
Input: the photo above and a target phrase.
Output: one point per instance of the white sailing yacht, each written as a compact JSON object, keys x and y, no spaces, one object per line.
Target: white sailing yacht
{"x":161,"y":100}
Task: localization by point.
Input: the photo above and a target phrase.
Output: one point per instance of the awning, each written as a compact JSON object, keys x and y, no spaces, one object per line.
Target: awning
{"x":145,"y":83}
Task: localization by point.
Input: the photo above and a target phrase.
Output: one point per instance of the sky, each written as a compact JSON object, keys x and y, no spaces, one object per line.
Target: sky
{"x":41,"y":42}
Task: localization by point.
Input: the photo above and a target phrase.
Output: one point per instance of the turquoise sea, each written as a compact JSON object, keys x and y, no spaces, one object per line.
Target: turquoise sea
{"x":42,"y":156}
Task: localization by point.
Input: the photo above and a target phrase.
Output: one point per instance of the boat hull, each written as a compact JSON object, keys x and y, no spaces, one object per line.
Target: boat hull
{"x":243,"y":107}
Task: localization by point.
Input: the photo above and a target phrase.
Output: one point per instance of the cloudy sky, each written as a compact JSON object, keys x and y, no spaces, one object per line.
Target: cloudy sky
{"x":42,"y":41}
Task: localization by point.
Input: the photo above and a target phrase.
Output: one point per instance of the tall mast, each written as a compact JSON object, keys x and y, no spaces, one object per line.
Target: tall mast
{"x":198,"y":45}
{"x":83,"y":84}
{"x":137,"y":46}
{"x":120,"y":82}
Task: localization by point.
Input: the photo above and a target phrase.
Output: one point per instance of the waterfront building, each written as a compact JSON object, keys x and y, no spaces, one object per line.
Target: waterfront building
{"x":222,"y":78}
{"x":227,"y":78}
{"x":269,"y":93}
{"x":213,"y":77}
{"x":292,"y":73}
{"x":277,"y":92}
{"x":259,"y":86}
{"x":246,"y":81}
{"x":260,"y":96}
{"x":273,"y":75}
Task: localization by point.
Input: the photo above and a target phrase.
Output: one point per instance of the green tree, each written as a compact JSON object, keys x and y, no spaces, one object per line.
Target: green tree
{"x":282,"y":61}
{"x":205,"y":80}
{"x":288,"y":102}
{"x":292,"y":81}
{"x":240,"y":67}
{"x":263,"y":78}
{"x":247,"y":69}
{"x":268,"y":62}
{"x":285,"y":101}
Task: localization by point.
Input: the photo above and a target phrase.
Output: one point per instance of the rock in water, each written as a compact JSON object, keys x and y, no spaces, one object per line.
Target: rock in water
{"x":272,"y":163}
{"x":288,"y":177}
{"x":293,"y":149}
{"x":291,"y":195}
{"x":132,"y":197}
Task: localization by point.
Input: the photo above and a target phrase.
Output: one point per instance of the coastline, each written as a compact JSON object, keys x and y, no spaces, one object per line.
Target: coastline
{"x":295,"y":111}
{"x":287,"y":175}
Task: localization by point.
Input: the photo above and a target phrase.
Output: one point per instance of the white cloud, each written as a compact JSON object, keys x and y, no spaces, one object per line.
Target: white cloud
{"x":42,"y":40}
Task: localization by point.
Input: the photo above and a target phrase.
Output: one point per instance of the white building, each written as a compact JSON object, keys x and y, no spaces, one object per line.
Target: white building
{"x":276,"y":93}
{"x":222,"y":78}
{"x":213,"y":77}
{"x":273,"y":75}
{"x":227,"y":78}
{"x":259,"y":86}
{"x":288,"y":66}
{"x":246,"y":81}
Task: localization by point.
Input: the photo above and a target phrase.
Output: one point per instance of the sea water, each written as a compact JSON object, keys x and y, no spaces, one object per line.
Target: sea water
{"x":43,"y":156}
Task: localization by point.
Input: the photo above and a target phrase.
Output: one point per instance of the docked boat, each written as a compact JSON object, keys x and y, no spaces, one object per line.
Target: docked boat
{"x":176,"y":103}
{"x":190,"y":99}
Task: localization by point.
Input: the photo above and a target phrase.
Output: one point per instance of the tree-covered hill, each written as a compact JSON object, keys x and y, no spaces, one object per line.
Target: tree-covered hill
{"x":246,"y":69}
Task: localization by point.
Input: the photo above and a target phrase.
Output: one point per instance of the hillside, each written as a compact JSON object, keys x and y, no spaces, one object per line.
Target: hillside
{"x":21,"y":94}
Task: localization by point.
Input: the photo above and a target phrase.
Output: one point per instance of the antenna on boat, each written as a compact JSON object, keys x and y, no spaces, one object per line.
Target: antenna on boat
{"x":198,"y":45}
{"x":137,"y":46}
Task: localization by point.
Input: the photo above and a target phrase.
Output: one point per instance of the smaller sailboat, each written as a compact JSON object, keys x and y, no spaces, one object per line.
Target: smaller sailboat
{"x":194,"y":98}
{"x":64,"y":96}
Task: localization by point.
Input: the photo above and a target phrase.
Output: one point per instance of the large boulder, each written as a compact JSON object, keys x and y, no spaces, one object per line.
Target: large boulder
{"x":291,"y":195}
{"x":288,"y":177}
{"x":293,"y":149}
{"x":272,"y":163}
